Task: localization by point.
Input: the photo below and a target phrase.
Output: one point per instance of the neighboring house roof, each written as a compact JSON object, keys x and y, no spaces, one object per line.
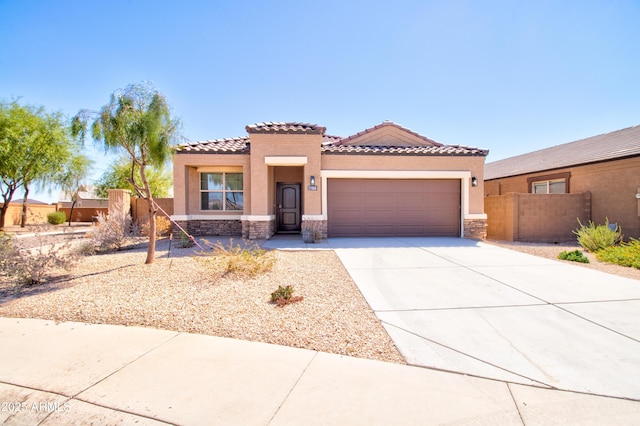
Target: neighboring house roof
{"x":606,"y":147}
{"x":30,"y":201}
{"x":387,"y":138}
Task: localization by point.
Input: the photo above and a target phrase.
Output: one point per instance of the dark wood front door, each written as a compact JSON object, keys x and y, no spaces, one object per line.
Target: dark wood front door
{"x":288,"y":207}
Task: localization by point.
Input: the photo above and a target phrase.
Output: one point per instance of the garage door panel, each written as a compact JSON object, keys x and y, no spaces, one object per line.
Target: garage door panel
{"x":351,"y":216}
{"x":401,"y":207}
{"x":411,"y":200}
{"x":411,"y":215}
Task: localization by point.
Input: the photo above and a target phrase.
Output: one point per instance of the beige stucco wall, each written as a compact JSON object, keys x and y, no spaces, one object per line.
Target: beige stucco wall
{"x":262,"y":175}
{"x":613,"y":185}
{"x":260,"y":178}
{"x":186,"y":180}
{"x":475,"y":165}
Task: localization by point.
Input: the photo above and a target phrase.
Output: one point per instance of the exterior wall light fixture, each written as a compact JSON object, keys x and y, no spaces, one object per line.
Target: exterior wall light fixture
{"x":312,"y":184}
{"x":474,"y":181}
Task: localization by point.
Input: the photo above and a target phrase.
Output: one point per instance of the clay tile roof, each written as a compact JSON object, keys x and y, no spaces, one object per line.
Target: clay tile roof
{"x":216,"y":146}
{"x":444,"y":150}
{"x":329,"y":140}
{"x":609,"y":146}
{"x":281,"y":127}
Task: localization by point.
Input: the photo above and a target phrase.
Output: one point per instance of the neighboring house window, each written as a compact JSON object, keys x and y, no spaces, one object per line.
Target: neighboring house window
{"x":549,"y":187}
{"x":557,"y":183}
{"x":221,"y":191}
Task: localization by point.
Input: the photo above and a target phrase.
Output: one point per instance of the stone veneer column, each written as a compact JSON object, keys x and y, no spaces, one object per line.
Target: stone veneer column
{"x":258,"y":229}
{"x":475,"y":229}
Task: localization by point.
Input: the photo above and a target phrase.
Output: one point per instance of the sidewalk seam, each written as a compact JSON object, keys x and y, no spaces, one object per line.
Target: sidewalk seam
{"x":304,"y":370}
{"x":515,"y":403}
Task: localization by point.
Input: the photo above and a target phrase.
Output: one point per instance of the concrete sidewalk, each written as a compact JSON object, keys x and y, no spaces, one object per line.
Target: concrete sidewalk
{"x":74,"y":373}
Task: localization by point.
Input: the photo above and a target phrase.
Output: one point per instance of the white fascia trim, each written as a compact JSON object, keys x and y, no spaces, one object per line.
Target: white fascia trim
{"x":313,"y":217}
{"x":285,"y":160}
{"x":396,"y":174}
{"x":206,"y":217}
{"x":258,"y":218}
{"x":474,"y":216}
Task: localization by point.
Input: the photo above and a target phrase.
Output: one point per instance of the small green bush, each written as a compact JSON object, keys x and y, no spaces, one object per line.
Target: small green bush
{"x":282,"y":292}
{"x":593,"y":238}
{"x":284,"y":295}
{"x":626,"y":254}
{"x":56,"y":218}
{"x":574,"y":256}
{"x":185,"y":240}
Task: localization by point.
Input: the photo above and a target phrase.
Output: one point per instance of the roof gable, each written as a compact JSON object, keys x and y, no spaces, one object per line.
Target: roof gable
{"x":388,"y":134}
{"x":606,"y":147}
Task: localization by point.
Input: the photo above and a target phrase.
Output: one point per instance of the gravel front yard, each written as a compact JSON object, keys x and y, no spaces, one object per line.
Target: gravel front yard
{"x":184,"y":293}
{"x":551,"y":251}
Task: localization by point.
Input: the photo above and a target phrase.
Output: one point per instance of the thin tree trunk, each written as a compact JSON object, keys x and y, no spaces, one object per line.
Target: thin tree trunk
{"x":73,"y":203}
{"x":151,"y":252}
{"x":23,"y":219}
{"x":6,"y":197}
{"x":3,"y":213}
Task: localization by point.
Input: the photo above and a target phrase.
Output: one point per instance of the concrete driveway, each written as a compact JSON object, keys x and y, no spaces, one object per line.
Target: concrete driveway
{"x":471,"y":307}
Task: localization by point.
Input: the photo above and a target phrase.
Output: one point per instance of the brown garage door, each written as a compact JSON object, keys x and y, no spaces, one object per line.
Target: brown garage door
{"x":393,"y":207}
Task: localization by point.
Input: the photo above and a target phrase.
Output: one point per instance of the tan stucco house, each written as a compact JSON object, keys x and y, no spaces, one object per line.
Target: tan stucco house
{"x":604,"y":168}
{"x":384,"y":181}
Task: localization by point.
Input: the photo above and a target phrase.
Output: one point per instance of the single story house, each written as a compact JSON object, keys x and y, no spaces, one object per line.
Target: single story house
{"x":282,"y":177}
{"x":605,"y":167}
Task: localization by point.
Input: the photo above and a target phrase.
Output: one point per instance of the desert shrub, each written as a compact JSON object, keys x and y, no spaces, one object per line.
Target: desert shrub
{"x":626,"y":254}
{"x":31,"y":266}
{"x":163,"y":226}
{"x":85,"y":248}
{"x":574,"y":256}
{"x":8,"y":254}
{"x":596,"y":237}
{"x":113,"y":231}
{"x":56,"y":218}
{"x":284,"y":296}
{"x":246,"y":260}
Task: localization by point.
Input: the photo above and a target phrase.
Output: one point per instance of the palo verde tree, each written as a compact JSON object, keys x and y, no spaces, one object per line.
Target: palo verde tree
{"x":34,"y":147}
{"x":136,"y":121}
{"x":119,"y":172}
{"x":74,"y":174}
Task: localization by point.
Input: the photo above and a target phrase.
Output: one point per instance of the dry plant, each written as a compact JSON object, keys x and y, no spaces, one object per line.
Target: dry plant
{"x":32,"y":266}
{"x":113,"y":231}
{"x":242,"y":260}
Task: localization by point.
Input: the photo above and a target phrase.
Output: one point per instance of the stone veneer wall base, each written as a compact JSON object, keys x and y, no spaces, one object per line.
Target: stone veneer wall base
{"x":475,"y":229}
{"x":258,"y":230}
{"x":210,"y":228}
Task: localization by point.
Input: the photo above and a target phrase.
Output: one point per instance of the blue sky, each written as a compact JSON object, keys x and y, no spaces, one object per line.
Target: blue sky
{"x":509,"y":76}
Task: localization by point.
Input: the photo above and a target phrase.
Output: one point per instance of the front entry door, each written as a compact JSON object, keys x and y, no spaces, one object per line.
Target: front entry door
{"x":288,"y":207}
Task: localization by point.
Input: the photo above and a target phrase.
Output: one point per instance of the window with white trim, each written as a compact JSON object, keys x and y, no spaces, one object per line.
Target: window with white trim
{"x":221,"y":191}
{"x":558,"y":186}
